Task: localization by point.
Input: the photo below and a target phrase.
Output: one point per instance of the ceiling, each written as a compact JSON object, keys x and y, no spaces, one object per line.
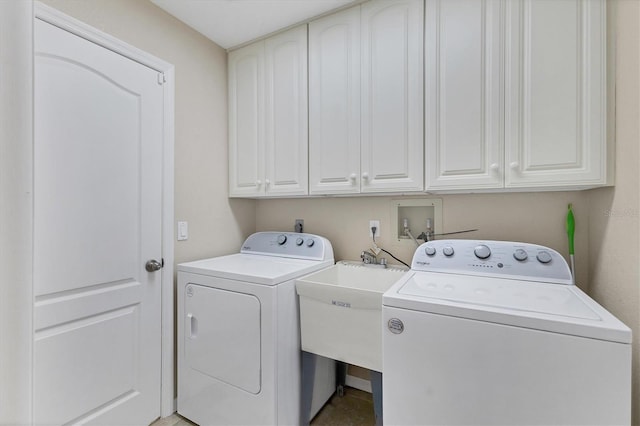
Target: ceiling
{"x":231,"y":23}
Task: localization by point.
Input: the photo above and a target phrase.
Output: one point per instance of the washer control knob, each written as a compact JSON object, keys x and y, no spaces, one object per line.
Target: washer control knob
{"x":299,"y":241}
{"x":543,"y":256}
{"x":448,"y":251}
{"x":282,"y":239}
{"x":310,"y":242}
{"x":520,"y":255}
{"x":430,"y":251}
{"x":482,"y":251}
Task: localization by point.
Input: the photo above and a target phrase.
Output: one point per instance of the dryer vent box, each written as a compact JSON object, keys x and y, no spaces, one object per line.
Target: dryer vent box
{"x":416,"y":214}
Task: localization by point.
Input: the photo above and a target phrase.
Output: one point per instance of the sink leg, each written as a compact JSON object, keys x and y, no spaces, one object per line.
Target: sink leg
{"x":341,"y":377}
{"x":306,"y":397}
{"x":376,"y":388}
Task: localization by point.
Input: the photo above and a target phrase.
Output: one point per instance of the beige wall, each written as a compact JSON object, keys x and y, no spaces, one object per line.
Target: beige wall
{"x":533,"y":217}
{"x":614,"y":231}
{"x":217,"y":225}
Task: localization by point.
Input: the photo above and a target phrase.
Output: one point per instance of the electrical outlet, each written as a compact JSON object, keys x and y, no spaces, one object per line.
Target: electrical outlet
{"x":375,"y":223}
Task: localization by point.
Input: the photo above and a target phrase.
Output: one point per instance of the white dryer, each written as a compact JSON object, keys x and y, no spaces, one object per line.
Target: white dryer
{"x":238,"y":332}
{"x":493,"y":332}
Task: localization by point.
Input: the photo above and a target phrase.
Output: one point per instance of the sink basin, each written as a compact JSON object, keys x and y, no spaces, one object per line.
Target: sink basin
{"x":341,"y":312}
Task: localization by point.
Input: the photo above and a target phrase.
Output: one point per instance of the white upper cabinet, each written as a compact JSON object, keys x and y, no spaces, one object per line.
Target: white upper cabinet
{"x":413,"y":95}
{"x":392,"y":140}
{"x":556,"y":94}
{"x":286,"y":143}
{"x":463,"y":99}
{"x":533,"y":120}
{"x":334,"y":103}
{"x":268,"y":136}
{"x":366,"y":99}
{"x":246,"y":121}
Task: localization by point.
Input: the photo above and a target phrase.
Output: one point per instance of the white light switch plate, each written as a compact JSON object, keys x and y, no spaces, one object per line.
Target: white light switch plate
{"x":183,"y":231}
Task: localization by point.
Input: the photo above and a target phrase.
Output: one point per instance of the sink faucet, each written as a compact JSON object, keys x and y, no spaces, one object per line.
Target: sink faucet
{"x":370,"y":259}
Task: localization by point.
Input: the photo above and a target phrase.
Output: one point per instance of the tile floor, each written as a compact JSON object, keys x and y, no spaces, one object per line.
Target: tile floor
{"x":173,"y":420}
{"x":355,"y":408}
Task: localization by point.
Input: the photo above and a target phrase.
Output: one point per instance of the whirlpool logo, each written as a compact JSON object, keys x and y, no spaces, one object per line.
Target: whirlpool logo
{"x":341,"y":304}
{"x":395,"y":325}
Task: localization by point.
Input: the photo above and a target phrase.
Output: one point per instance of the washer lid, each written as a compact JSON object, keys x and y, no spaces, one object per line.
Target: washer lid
{"x":543,"y":306}
{"x":259,"y":269}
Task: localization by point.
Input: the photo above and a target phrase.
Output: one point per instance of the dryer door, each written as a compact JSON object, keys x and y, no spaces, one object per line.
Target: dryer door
{"x":222,"y":335}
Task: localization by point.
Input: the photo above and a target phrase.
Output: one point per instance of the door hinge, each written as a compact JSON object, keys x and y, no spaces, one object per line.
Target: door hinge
{"x":161,"y":78}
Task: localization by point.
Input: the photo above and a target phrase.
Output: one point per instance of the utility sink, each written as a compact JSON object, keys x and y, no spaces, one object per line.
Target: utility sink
{"x":341,"y":312}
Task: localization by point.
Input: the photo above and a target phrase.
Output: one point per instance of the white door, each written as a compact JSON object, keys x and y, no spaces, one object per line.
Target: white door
{"x":246,"y":121}
{"x":463,"y":96}
{"x":334,"y":103}
{"x":392,"y":156}
{"x":97,"y":221}
{"x":286,"y":129}
{"x":555,"y":99}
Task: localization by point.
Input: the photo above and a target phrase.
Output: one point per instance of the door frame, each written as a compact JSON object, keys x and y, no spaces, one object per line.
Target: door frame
{"x":16,"y":212}
{"x":167,"y":72}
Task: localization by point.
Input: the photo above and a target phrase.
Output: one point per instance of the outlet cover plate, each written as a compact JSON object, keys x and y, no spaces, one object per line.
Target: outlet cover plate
{"x":375,"y":223}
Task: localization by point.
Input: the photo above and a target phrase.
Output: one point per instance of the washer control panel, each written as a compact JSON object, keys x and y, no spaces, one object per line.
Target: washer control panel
{"x":493,"y":258}
{"x":289,"y":244}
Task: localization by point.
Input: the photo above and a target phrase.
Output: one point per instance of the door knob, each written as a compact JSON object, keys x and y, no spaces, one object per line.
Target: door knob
{"x":153,"y":265}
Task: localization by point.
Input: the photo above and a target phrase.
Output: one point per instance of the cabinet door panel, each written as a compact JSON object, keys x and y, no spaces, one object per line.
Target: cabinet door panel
{"x":392,"y":96}
{"x":463,"y":94}
{"x":334,"y":103}
{"x":556,"y":92}
{"x":246,"y":127}
{"x":286,"y":140}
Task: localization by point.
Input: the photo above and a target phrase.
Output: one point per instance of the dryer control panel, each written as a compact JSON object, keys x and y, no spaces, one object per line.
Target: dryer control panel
{"x":289,"y":244}
{"x":505,"y":259}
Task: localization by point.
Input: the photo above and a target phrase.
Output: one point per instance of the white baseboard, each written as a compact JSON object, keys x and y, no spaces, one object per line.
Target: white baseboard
{"x":358,"y":383}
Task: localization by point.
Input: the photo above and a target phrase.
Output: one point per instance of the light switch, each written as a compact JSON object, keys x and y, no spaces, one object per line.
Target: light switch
{"x":183,"y":231}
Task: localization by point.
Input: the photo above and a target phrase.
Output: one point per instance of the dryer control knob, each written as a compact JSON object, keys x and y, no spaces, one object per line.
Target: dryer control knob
{"x":543,"y":256}
{"x":448,"y":251}
{"x":310,"y":242}
{"x":520,"y":255}
{"x":282,"y":239}
{"x":430,"y":251}
{"x":482,"y":251}
{"x":299,"y":241}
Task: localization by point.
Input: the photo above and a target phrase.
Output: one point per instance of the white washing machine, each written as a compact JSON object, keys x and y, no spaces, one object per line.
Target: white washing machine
{"x":238,"y":333}
{"x":493,"y":332}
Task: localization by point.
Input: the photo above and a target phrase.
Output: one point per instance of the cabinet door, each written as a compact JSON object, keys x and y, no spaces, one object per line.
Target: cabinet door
{"x":555,"y":93}
{"x":464,"y":143}
{"x":286,"y":137}
{"x":246,"y":121}
{"x":334,"y":103}
{"x":392,"y":96}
